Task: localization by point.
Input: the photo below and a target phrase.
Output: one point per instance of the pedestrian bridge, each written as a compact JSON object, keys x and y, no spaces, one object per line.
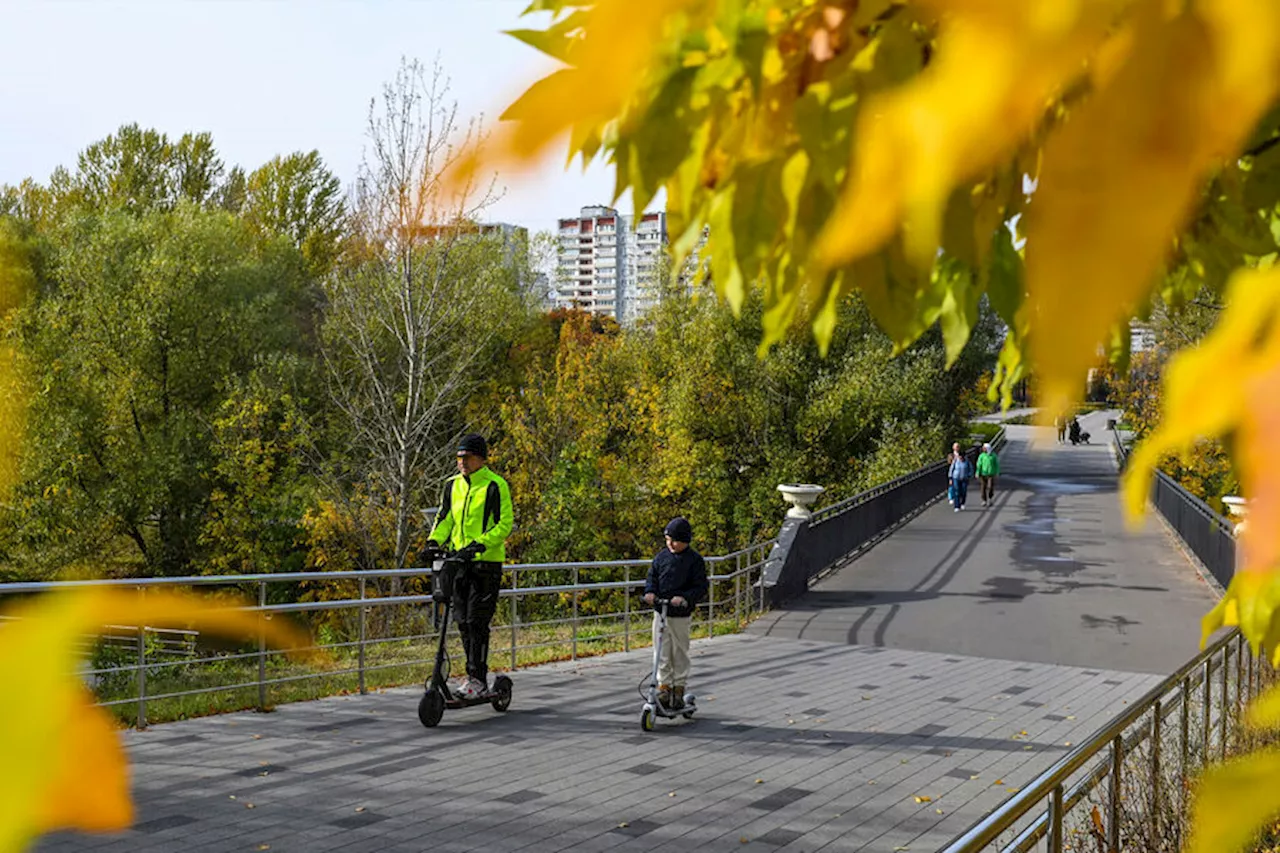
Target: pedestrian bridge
{"x":892,"y":701}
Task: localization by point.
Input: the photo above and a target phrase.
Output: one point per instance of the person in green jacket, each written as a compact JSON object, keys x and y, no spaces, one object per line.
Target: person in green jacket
{"x":474,"y":522}
{"x":988,"y":470}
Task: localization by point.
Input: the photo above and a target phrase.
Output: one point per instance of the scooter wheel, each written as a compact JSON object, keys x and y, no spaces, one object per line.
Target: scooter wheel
{"x":431,"y":708}
{"x":646,"y":720}
{"x":501,"y":693}
{"x":688,"y":715}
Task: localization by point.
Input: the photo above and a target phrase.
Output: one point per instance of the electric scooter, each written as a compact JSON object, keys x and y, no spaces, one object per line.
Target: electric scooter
{"x":438,"y":696}
{"x":653,"y":708}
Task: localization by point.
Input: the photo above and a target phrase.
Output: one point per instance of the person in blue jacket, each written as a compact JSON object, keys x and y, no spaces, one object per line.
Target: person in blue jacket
{"x":679,"y":574}
{"x":959,"y":473}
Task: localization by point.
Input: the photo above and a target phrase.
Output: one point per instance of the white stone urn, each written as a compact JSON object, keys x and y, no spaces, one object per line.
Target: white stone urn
{"x":800,"y":496}
{"x":1238,"y":508}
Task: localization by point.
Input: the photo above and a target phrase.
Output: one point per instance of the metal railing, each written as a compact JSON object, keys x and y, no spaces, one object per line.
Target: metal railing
{"x":1148,"y":754}
{"x":368,"y":622}
{"x":1208,"y":534}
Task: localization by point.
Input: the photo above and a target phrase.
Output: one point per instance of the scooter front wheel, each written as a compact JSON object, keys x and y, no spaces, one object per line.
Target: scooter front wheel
{"x":501,"y":693}
{"x":431,"y":708}
{"x":646,"y":720}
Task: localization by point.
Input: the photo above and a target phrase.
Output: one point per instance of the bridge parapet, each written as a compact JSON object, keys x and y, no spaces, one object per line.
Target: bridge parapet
{"x":807,"y":548}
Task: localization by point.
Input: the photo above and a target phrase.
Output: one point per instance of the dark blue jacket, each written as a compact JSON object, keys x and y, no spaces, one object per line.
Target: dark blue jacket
{"x":683,"y":574}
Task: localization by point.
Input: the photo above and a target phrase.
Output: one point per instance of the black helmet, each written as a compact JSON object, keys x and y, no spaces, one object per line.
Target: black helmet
{"x":473,"y":443}
{"x":679,"y":530}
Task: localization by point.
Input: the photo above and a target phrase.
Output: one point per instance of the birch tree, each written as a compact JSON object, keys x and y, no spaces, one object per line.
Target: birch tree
{"x":414,"y":314}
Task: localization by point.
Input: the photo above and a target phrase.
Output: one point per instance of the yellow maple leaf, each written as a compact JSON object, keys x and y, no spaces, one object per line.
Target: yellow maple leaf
{"x":1233,"y":801}
{"x":1230,"y":382}
{"x":1125,"y":171}
{"x":64,"y":765}
{"x":615,"y":43}
{"x":996,"y":66}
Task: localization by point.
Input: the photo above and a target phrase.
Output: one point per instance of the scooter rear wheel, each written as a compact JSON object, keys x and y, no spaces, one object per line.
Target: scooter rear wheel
{"x":646,"y":720}
{"x":431,"y":708}
{"x":501,"y":693}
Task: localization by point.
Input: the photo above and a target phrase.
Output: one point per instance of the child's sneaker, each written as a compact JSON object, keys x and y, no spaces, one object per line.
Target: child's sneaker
{"x":677,"y":698}
{"x":664,"y":695}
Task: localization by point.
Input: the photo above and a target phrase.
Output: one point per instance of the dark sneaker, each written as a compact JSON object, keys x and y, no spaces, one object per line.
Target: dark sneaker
{"x":677,"y":698}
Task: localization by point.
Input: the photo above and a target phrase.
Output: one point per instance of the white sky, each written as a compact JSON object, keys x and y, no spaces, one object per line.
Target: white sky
{"x":265,"y":77}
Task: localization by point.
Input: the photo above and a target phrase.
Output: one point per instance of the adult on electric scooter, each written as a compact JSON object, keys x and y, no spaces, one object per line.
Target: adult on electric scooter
{"x":474,"y":522}
{"x":677,"y":575}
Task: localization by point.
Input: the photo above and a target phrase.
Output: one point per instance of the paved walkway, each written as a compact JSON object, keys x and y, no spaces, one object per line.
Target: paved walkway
{"x":798,"y":746}
{"x":1049,"y":574}
{"x":905,"y":697}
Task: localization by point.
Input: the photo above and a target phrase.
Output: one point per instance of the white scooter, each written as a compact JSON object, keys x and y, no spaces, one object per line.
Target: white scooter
{"x":652,"y":707}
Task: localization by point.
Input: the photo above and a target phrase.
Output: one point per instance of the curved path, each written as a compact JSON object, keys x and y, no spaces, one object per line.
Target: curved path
{"x":904,"y":697}
{"x":1048,"y":574}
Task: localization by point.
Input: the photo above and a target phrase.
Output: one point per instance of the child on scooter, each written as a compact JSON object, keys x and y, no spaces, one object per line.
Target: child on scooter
{"x":679,"y":574}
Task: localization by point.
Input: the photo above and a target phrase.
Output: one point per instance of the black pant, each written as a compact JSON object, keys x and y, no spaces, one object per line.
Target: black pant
{"x":988,"y":488}
{"x":475,"y":598}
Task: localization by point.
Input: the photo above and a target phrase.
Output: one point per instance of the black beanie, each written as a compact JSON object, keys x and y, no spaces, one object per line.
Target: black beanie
{"x":679,"y":530}
{"x":473,"y":443}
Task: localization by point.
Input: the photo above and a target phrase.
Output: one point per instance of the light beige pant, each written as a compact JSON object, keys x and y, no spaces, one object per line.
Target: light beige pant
{"x":673,"y":666}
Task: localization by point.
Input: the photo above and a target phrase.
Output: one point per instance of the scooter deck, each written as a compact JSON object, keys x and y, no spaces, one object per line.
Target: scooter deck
{"x":458,"y":702}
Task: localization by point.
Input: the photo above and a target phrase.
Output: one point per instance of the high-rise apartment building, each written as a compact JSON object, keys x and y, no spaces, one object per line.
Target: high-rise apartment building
{"x":645,"y":257}
{"x":607,"y":266}
{"x":590,"y":259}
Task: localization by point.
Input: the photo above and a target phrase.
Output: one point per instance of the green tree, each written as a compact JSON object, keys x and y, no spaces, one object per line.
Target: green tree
{"x":262,"y":449}
{"x":139,"y":170}
{"x":142,"y":322}
{"x":299,"y":197}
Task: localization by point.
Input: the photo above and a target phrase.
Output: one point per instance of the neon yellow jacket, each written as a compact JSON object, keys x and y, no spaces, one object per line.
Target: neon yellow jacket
{"x":475,"y":509}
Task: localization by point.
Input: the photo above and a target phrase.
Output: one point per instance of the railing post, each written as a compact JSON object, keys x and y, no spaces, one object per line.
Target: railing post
{"x":142,"y":669}
{"x":262,"y":646}
{"x":360,"y":651}
{"x":1251,"y":691}
{"x":626,"y":610}
{"x":1117,"y":768}
{"x":1185,"y":757}
{"x":1055,"y":820}
{"x":1222,"y":717}
{"x":574,"y":646}
{"x":515,"y":615}
{"x":711,"y":609}
{"x":1155,"y":769}
{"x":1240,"y":693}
{"x":737,"y":598}
{"x":1207,"y":689}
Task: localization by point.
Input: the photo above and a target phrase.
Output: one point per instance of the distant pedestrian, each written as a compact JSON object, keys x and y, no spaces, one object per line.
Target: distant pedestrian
{"x":988,"y":470}
{"x":951,"y":484}
{"x":1060,"y":422}
{"x":960,"y":472}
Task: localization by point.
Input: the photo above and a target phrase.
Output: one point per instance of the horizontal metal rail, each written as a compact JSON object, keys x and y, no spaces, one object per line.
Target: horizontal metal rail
{"x":735,"y":594}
